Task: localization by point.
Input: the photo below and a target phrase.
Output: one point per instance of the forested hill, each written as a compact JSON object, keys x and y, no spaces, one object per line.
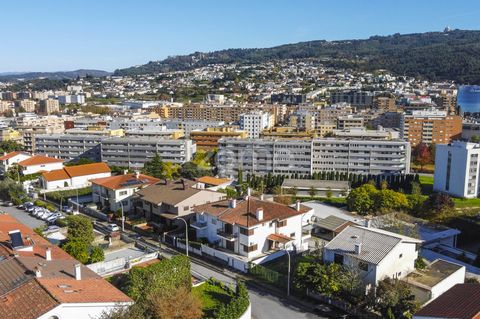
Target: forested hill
{"x":453,"y":55}
{"x":60,"y":75}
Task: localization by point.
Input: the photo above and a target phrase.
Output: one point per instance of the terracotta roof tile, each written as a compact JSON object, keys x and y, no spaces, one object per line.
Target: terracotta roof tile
{"x":39,"y":159}
{"x":239,"y":216}
{"x":462,"y":301}
{"x":29,"y":301}
{"x":121,"y":181}
{"x":55,"y":175}
{"x":12,"y":154}
{"x":210,"y":180}
{"x":87,"y":169}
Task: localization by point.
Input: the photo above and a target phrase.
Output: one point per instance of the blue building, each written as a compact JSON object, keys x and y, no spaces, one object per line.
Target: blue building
{"x":468,"y":100}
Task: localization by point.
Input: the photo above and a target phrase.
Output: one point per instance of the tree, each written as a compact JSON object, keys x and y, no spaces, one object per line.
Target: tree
{"x":154,"y":167}
{"x":177,"y":304}
{"x":312,"y":192}
{"x":78,"y":249}
{"x":475,"y":139}
{"x":422,"y":155}
{"x":171,"y":170}
{"x":318,"y":278}
{"x":387,"y":200}
{"x":361,"y":199}
{"x":277,"y":190}
{"x":80,"y":228}
{"x":437,"y":206}
{"x":81,"y":161}
{"x":395,"y":296}
{"x":96,"y":254}
{"x":191,"y":170}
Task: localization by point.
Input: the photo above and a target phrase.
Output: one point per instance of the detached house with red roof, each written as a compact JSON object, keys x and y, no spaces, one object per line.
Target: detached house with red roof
{"x":72,"y":177}
{"x":12,"y":158}
{"x":115,"y":191}
{"x":40,"y":280}
{"x":252,"y":229}
{"x":39,"y":163}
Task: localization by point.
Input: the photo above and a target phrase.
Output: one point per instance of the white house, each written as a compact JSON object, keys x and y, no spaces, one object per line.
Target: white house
{"x":376,"y":253}
{"x":110,"y":191}
{"x":39,"y":163}
{"x":12,"y":158}
{"x":72,"y":177}
{"x":251,"y":227}
{"x":457,"y":169}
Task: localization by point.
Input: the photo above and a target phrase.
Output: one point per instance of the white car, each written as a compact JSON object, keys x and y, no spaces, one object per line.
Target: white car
{"x":113,"y":227}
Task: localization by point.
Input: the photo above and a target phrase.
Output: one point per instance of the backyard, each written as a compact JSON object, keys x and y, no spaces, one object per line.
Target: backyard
{"x":213,"y":296}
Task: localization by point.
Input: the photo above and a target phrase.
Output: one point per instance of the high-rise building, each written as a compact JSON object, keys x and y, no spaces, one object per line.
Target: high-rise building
{"x":384,"y":104}
{"x":255,"y":122}
{"x":430,"y":127}
{"x":457,"y":169}
{"x":358,"y":99}
{"x":25,"y":106}
{"x":49,"y":106}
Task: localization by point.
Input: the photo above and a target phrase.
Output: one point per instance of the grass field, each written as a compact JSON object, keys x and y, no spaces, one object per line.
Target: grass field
{"x":212,"y":296}
{"x":466,"y":202}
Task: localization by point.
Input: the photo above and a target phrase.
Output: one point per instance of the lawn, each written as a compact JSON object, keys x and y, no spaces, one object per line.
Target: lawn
{"x":427,"y":184}
{"x":466,"y":202}
{"x":212,"y":296}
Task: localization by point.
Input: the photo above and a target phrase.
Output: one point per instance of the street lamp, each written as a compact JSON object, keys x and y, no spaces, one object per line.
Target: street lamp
{"x":121,"y":205}
{"x":288,"y":274}
{"x":186,"y":232}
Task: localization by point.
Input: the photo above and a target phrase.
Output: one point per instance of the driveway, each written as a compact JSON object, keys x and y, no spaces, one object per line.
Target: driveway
{"x":23,"y":217}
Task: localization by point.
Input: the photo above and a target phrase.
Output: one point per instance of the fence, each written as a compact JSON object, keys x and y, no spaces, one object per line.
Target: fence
{"x":106,"y":268}
{"x":267,"y":275}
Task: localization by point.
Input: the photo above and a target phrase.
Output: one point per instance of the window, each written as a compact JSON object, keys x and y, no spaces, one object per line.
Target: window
{"x":400,"y":256}
{"x":338,"y":259}
{"x":214,"y":221}
{"x":186,"y":208}
{"x":292,"y":235}
{"x":249,"y":249}
{"x":282,"y":223}
{"x":363,"y":266}
{"x":246,"y":232}
{"x":121,"y":193}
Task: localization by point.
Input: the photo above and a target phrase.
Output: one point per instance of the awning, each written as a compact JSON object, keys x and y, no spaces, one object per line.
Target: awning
{"x":279,"y":238}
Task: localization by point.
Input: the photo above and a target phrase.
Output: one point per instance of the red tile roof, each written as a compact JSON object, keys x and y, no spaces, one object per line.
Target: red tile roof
{"x":462,"y":301}
{"x":57,"y":283}
{"x":239,"y":215}
{"x":75,"y":171}
{"x":29,"y":301}
{"x":55,"y":175}
{"x":123,"y":181}
{"x":12,"y":154}
{"x":38,"y":160}
{"x":87,"y":169}
{"x":210,"y":180}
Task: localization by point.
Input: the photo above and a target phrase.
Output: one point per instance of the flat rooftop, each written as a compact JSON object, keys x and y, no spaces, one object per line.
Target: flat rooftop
{"x":433,"y":274}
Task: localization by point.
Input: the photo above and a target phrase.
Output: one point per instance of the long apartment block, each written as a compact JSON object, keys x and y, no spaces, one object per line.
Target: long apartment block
{"x":306,"y":156}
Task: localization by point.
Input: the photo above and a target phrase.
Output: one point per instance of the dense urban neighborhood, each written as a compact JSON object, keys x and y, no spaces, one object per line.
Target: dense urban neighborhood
{"x":300,"y":181}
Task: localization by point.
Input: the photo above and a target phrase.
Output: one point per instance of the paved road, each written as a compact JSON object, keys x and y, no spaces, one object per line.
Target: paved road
{"x":24,"y":217}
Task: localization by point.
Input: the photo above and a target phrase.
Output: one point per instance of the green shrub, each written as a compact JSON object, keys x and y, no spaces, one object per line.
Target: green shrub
{"x":96,"y":254}
{"x":237,"y":306}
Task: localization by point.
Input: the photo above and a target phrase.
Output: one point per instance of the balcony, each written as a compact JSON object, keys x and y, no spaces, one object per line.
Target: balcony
{"x":199,"y":225}
{"x":226,"y":235}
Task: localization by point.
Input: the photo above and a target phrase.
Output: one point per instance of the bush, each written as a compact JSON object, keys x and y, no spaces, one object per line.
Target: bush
{"x":237,"y":306}
{"x":96,"y":255}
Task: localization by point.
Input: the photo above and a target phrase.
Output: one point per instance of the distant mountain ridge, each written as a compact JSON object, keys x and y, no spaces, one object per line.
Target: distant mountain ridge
{"x":451,"y":55}
{"x":60,"y":75}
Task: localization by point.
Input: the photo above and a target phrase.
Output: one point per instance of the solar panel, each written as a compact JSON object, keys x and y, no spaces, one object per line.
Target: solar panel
{"x":16,"y":238}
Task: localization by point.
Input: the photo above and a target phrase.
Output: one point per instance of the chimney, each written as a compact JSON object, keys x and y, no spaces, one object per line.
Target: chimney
{"x":137,"y":174}
{"x":262,"y":197}
{"x":297,"y":205}
{"x":38,"y":272}
{"x":232,"y":203}
{"x":358,"y":248}
{"x":48,"y":254}
{"x":78,"y":272}
{"x":125,"y":171}
{"x":259,"y":213}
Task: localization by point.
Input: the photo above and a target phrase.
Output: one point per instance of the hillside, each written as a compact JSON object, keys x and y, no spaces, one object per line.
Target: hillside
{"x":52,"y":75}
{"x":453,"y":55}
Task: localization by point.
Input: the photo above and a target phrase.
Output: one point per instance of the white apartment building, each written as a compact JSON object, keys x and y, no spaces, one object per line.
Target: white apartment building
{"x":376,"y":253}
{"x":457,"y":169}
{"x":133,"y":152}
{"x":71,"y":99}
{"x":303,"y":120}
{"x":255,"y":122}
{"x":306,"y":156}
{"x":253,"y":228}
{"x":361,"y":156}
{"x":69,"y":146}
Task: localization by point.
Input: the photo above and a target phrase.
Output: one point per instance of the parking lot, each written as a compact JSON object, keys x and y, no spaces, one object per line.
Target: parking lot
{"x":23,"y":217}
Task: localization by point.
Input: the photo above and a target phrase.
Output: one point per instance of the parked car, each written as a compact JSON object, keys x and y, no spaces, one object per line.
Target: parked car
{"x":51,"y":229}
{"x":53,"y":217}
{"x":113,"y":227}
{"x":67,"y":209}
{"x":9,"y":204}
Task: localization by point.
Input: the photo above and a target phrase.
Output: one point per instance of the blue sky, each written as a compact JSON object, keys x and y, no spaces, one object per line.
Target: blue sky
{"x":54,"y":35}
